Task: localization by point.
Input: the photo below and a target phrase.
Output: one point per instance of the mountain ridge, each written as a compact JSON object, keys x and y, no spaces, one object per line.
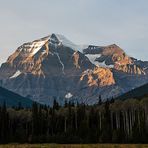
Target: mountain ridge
{"x":136,"y":93}
{"x":53,"y":67}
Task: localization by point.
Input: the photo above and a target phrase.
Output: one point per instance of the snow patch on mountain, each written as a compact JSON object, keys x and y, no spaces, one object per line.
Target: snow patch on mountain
{"x":16,"y":74}
{"x":62,"y":39}
{"x":37,"y":46}
{"x":60,"y":61}
{"x":32,"y":48}
{"x":93,"y":57}
{"x":102,"y":64}
{"x":68,"y":95}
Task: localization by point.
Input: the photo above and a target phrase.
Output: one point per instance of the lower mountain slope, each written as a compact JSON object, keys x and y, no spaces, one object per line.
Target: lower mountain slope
{"x":139,"y":92}
{"x":13,"y":99}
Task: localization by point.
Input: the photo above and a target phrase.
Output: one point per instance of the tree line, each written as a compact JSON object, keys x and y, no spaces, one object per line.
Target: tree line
{"x":105,"y":122}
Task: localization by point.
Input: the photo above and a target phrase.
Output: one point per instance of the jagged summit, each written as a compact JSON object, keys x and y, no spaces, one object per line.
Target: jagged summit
{"x":53,"y":39}
{"x":30,"y":56}
{"x":112,"y":56}
{"x":48,"y":55}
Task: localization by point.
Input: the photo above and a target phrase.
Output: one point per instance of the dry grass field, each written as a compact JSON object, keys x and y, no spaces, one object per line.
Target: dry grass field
{"x":74,"y":146}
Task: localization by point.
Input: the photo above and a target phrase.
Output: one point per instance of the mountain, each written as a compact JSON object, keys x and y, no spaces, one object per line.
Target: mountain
{"x":13,"y":99}
{"x":53,"y":67}
{"x":113,"y":56}
{"x":128,"y":72}
{"x":136,"y":93}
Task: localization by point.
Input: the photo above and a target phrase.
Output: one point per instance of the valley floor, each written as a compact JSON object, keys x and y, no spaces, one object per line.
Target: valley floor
{"x":74,"y":146}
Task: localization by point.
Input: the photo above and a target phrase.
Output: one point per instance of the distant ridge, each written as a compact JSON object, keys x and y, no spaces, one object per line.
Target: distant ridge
{"x":13,"y":99}
{"x":136,"y":93}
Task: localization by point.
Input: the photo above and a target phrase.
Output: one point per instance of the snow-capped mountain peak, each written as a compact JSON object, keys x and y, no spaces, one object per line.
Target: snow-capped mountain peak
{"x":31,"y":48}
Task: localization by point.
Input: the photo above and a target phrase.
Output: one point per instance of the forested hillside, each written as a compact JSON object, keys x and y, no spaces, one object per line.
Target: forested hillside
{"x":110,"y":122}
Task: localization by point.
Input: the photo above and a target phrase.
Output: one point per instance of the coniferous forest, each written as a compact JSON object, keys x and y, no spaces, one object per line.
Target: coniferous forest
{"x":105,"y":122}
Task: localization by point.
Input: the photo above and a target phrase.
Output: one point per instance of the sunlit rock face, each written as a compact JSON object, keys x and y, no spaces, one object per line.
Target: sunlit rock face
{"x":99,"y":77}
{"x":114,"y":57}
{"x":53,"y":67}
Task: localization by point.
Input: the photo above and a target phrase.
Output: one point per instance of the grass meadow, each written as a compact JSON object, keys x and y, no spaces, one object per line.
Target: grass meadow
{"x":74,"y":146}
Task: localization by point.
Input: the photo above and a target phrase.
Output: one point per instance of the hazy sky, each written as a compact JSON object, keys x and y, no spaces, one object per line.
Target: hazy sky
{"x":100,"y":22}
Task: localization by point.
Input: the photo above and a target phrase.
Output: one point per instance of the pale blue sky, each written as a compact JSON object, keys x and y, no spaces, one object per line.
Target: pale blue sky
{"x":99,"y":22}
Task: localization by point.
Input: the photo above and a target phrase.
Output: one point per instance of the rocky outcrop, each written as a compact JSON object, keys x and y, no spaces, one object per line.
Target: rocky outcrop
{"x":130,"y":68}
{"x":98,"y":77}
{"x":76,"y":59}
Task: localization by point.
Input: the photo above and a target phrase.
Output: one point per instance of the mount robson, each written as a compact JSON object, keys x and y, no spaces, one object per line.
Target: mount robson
{"x":55,"y":68}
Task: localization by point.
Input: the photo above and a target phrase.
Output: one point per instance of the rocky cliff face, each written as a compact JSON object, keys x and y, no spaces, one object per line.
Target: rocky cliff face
{"x":114,"y":57}
{"x":99,"y":77}
{"x":53,"y":67}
